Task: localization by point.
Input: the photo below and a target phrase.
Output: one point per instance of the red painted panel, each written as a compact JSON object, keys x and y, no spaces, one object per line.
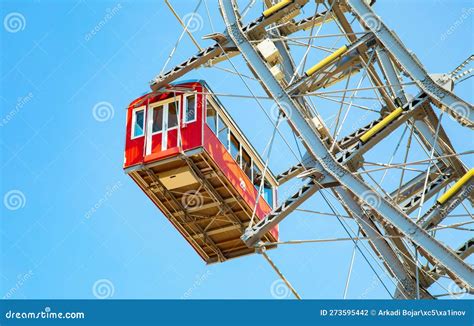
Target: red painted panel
{"x":155,"y":142}
{"x":156,"y":156}
{"x":133,"y":147}
{"x":235,"y":175}
{"x":190,"y":133}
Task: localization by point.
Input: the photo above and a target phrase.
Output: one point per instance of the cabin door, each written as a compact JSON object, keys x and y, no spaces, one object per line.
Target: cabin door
{"x":162,"y":127}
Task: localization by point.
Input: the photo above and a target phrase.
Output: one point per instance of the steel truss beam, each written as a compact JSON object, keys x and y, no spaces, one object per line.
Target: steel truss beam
{"x":425,"y":125}
{"x":463,"y":251}
{"x":361,"y":147}
{"x":257,"y":27}
{"x":406,"y":288}
{"x":290,"y":173}
{"x":346,"y":27}
{"x":438,"y":212}
{"x":253,"y":234}
{"x":426,"y":129}
{"x":390,"y":75}
{"x":431,"y":189}
{"x":466,"y":249}
{"x":195,"y":61}
{"x":306,"y":23}
{"x":302,"y":84}
{"x":318,"y":150}
{"x":459,"y":109}
{"x":414,"y":185}
{"x":407,"y":285}
{"x":353,"y":138}
{"x":217,"y":51}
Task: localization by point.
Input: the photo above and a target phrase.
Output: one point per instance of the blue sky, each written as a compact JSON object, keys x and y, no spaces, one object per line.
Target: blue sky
{"x":81,"y":222}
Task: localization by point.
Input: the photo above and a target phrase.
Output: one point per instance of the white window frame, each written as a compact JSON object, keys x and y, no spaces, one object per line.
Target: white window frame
{"x":218,"y":117}
{"x":178,"y":111}
{"x":205,"y":118}
{"x":238,"y":149}
{"x":185,"y":107}
{"x":152,"y":115}
{"x":251,"y":169}
{"x":272,"y":193}
{"x":164,"y":104}
{"x":240,"y":157}
{"x":242,"y":149}
{"x":134,"y":120}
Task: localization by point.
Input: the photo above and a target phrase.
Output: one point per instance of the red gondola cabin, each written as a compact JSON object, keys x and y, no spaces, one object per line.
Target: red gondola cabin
{"x":186,"y":153}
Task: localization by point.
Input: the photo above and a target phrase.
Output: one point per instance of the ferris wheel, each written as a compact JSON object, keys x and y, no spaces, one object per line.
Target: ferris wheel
{"x":369,"y":127}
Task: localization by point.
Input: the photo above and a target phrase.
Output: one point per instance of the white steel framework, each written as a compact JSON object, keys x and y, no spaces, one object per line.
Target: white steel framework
{"x":400,"y":224}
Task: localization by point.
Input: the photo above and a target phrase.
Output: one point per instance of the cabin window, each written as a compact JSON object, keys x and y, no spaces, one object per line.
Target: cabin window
{"x":234,"y":148}
{"x":211,"y":118}
{"x":190,"y":108}
{"x":268,"y":193}
{"x":157,"y":119}
{"x":257,"y":176}
{"x":246,"y":163}
{"x":172,"y":115}
{"x":138,"y":120}
{"x":223,"y":132}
